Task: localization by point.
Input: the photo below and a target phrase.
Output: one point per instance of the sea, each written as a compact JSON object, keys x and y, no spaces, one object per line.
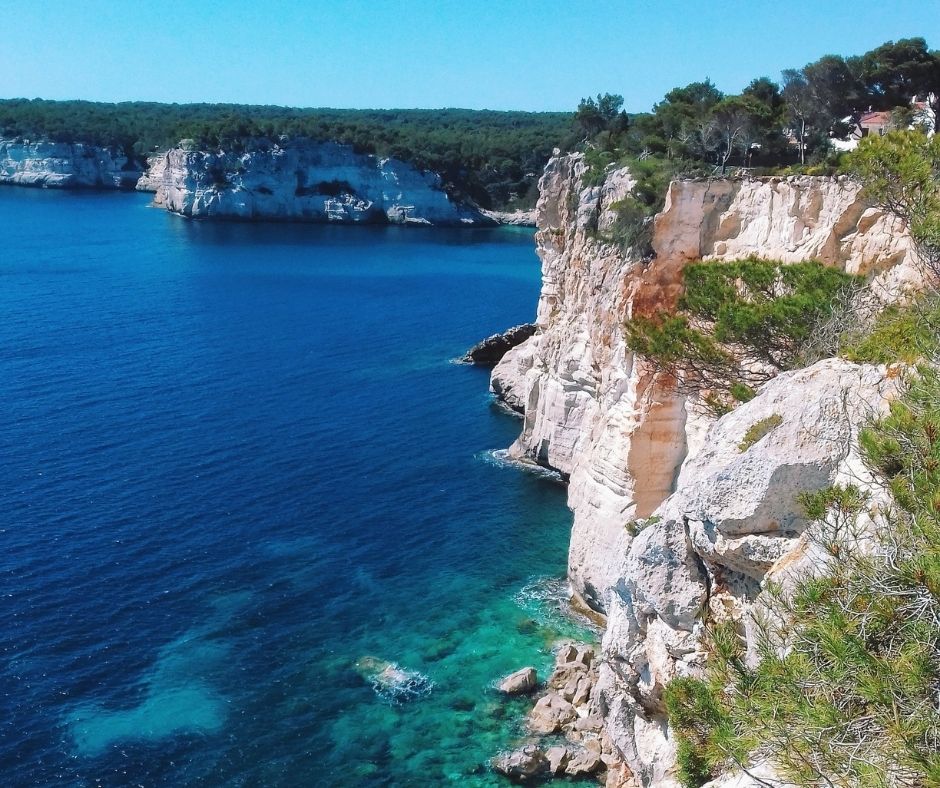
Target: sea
{"x":255,"y":525}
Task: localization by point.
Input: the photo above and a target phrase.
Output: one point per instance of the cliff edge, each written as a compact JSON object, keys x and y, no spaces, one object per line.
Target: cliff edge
{"x":674,"y":517}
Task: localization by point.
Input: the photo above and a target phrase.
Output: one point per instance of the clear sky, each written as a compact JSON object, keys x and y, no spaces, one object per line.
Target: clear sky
{"x":497,"y":54}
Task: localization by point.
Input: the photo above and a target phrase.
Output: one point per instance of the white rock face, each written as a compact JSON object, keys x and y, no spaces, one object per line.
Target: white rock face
{"x":63,"y":165}
{"x":309,"y":182}
{"x":733,"y":520}
{"x":652,"y":544}
{"x":790,"y":219}
{"x":593,"y":410}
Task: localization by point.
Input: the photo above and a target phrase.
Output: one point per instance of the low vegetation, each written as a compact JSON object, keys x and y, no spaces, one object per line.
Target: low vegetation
{"x":844,"y":690}
{"x":841,"y":686}
{"x":760,"y":429}
{"x":738,"y":324}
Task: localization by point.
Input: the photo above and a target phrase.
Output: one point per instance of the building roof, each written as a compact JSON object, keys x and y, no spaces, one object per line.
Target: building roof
{"x":875,"y":119}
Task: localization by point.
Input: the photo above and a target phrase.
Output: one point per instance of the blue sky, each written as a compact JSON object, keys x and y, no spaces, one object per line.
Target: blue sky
{"x":501,"y":54}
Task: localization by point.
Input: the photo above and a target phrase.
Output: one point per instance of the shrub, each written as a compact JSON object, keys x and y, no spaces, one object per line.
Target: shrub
{"x":899,"y":333}
{"x":900,"y":172}
{"x":738,"y":324}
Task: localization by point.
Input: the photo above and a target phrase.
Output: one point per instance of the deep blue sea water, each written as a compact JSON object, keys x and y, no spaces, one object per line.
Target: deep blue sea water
{"x":235,"y":460}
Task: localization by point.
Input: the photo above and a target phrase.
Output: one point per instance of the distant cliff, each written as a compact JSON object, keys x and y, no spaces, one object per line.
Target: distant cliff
{"x":296,"y":181}
{"x":64,"y":165}
{"x":303,"y":181}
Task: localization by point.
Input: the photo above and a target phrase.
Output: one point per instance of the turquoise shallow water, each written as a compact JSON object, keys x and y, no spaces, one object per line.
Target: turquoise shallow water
{"x":234,"y":461}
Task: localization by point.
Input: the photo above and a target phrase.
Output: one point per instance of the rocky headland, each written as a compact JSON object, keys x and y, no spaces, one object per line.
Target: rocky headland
{"x":306,"y":181}
{"x":677,"y":517}
{"x":293,"y":180}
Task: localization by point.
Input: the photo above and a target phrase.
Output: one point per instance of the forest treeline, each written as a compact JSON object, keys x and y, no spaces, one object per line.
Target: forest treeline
{"x":495,"y":158}
{"x":771,"y":127}
{"x":770,"y":123}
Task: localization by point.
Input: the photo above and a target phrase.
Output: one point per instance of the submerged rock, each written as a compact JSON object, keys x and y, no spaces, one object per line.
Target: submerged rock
{"x":489,"y":352}
{"x":391,"y":682}
{"x":519,"y":683}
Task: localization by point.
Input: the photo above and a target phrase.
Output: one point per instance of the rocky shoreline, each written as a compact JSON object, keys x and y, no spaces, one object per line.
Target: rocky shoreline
{"x":676,"y":518}
{"x":565,"y":727}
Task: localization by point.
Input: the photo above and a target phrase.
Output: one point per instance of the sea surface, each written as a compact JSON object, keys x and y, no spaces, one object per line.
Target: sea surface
{"x":240,"y":476}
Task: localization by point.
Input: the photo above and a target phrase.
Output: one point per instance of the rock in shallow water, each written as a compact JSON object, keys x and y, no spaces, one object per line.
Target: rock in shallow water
{"x":520,"y":682}
{"x":551,"y":712}
{"x":490,"y":351}
{"x":391,"y":682}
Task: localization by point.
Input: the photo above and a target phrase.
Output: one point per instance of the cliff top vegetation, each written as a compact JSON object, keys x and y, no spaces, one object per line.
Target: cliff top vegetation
{"x":797,"y":124}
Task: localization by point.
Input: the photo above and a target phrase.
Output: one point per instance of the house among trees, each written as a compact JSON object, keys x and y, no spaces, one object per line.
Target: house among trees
{"x":860,"y":125}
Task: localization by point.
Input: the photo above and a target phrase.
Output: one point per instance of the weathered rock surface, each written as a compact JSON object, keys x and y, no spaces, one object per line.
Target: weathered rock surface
{"x":152,"y":177}
{"x":522,"y":218}
{"x":63,"y":165}
{"x":551,"y":712}
{"x":733,"y":520}
{"x":488,"y":352}
{"x":306,"y":181}
{"x":671,"y":517}
{"x":519,"y":683}
{"x":568,"y":709}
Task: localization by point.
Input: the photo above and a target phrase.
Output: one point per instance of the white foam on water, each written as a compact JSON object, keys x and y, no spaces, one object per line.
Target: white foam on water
{"x":501,"y":459}
{"x":547,"y":600}
{"x":408,"y":685}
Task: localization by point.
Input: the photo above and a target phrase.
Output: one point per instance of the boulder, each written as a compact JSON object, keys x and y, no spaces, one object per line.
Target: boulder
{"x":567,"y":653}
{"x":519,"y":683}
{"x":551,"y":712}
{"x":526,"y":764}
{"x":557,"y":759}
{"x":585,"y":760}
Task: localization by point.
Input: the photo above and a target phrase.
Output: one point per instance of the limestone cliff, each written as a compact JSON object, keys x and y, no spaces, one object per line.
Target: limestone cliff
{"x":307,"y":182}
{"x":671,"y":516}
{"x":64,"y":165}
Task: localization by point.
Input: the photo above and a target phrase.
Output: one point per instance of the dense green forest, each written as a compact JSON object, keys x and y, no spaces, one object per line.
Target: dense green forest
{"x":769,"y":128}
{"x":493,"y":157}
{"x":769,"y":123}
